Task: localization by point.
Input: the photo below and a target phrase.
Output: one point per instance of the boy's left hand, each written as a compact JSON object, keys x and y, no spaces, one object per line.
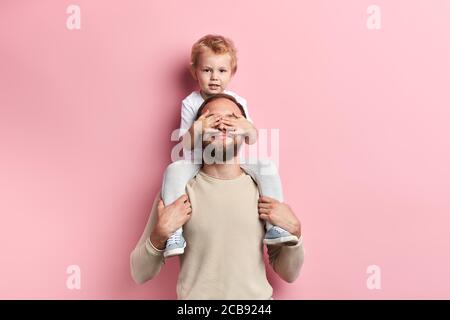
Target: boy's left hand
{"x":239,"y":125}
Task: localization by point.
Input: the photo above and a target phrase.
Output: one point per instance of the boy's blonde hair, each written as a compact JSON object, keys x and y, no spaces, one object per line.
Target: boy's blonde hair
{"x":217,"y":44}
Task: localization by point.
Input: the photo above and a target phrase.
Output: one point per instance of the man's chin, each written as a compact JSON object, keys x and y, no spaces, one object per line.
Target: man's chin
{"x":222,"y":143}
{"x":217,"y":152}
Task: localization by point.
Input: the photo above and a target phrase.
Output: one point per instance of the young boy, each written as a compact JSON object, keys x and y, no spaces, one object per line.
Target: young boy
{"x":213,"y":63}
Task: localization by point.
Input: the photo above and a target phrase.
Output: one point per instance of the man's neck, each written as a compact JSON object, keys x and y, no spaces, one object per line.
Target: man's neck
{"x":223,"y":170}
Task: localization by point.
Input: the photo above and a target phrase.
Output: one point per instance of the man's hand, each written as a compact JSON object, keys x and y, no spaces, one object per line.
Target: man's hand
{"x":170,"y":218}
{"x":279,"y":214}
{"x":239,"y":125}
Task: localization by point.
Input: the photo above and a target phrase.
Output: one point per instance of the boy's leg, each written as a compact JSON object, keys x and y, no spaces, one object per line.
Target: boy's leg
{"x":265,"y":174}
{"x":175,"y":179}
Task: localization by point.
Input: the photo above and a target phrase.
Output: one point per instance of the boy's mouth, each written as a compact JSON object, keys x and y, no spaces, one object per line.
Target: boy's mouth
{"x":214,"y":86}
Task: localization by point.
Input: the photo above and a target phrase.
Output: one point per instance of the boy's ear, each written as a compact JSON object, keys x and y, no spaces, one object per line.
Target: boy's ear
{"x":192,"y":70}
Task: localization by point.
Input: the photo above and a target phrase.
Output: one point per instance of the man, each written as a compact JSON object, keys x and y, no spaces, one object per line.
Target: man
{"x":223,"y":220}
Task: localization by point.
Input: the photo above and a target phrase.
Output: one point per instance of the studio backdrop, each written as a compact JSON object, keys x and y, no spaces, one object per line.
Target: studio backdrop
{"x":357,"y":93}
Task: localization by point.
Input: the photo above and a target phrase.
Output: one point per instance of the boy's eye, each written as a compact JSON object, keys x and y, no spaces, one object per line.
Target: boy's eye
{"x":223,"y":70}
{"x":205,"y":70}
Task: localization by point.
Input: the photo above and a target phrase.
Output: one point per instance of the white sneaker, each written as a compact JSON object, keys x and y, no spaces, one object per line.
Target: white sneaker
{"x":175,"y":245}
{"x":277,"y":235}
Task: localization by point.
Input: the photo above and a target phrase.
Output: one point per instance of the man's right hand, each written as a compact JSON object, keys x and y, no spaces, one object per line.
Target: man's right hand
{"x":170,"y":218}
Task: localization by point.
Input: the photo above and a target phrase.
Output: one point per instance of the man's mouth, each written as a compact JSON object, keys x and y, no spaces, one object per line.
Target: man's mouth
{"x":222,"y":136}
{"x":214,"y":134}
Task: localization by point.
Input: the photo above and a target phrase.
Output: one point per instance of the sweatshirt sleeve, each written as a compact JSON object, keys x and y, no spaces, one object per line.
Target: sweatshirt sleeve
{"x":287,"y":261}
{"x":146,"y":260}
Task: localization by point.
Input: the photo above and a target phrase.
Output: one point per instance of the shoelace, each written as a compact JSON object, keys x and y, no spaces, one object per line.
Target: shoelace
{"x":278,"y":229}
{"x":175,"y":238}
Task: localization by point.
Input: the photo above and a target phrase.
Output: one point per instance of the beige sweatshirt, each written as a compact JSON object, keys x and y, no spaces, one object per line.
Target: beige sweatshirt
{"x":224,"y":257}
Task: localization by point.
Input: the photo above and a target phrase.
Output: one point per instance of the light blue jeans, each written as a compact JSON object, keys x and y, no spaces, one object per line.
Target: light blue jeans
{"x":263,"y":171}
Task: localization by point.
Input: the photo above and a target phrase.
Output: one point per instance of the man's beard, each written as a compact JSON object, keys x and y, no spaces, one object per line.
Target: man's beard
{"x":215,"y":152}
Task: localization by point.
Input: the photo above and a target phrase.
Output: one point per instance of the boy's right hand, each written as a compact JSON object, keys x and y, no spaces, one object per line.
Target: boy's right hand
{"x":207,"y":122}
{"x":170,"y":219}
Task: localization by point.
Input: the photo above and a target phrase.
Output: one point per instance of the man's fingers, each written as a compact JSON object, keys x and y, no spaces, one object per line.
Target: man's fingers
{"x":182,"y":199}
{"x":264,"y":210}
{"x":186,"y":218}
{"x":265,"y":205}
{"x":266,"y":199}
{"x":264,"y":216}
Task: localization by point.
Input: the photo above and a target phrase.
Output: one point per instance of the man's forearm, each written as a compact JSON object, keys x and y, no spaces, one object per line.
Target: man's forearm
{"x":287,"y":261}
{"x":146,"y":260}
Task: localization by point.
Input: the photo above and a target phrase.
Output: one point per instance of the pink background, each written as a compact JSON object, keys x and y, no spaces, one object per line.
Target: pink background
{"x":85,"y":119}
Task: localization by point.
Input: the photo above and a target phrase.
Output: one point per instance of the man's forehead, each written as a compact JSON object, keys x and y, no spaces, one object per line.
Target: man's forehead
{"x":222,"y":106}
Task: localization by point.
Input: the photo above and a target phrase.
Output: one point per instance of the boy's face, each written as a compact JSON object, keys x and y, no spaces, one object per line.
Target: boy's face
{"x":213,"y":72}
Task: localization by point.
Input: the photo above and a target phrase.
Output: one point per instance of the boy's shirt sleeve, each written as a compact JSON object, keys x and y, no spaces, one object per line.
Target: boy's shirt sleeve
{"x":187,"y":118}
{"x":243,"y":102}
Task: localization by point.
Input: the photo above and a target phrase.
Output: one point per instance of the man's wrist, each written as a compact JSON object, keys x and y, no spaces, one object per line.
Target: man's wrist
{"x":158,"y":241}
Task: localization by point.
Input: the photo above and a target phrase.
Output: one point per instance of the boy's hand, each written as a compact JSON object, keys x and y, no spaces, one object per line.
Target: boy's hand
{"x":239,"y":125}
{"x":206,"y":122}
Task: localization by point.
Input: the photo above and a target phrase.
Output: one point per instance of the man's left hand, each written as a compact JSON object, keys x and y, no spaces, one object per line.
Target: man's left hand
{"x":279,"y":214}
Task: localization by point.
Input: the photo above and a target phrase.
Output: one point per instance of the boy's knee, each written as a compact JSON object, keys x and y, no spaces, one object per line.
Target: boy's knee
{"x":267,"y":167}
{"x":176,"y":166}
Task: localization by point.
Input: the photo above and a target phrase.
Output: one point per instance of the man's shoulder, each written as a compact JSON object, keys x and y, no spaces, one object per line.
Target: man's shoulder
{"x":240,"y":99}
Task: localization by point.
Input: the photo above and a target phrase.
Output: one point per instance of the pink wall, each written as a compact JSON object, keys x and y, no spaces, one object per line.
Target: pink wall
{"x":85,"y":118}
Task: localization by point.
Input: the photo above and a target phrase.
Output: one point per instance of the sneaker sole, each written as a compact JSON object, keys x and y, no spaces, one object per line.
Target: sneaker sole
{"x":291,"y":239}
{"x":174,"y":252}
